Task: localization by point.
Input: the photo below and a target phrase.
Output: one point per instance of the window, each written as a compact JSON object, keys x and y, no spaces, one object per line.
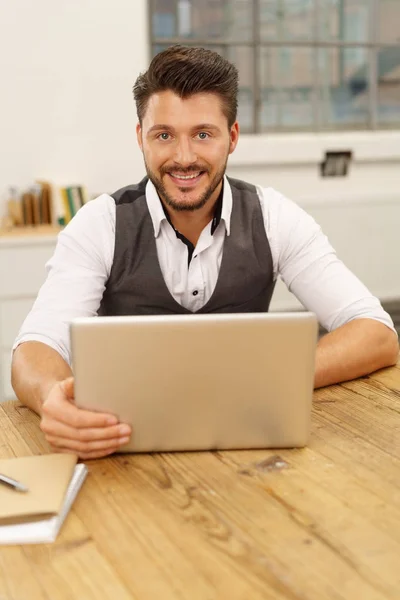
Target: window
{"x":304,"y":65}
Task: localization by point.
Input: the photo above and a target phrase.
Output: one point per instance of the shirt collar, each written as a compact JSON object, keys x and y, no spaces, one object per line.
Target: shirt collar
{"x":157,"y":213}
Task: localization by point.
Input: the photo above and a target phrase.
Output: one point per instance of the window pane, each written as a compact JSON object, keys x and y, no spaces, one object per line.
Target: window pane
{"x":287,"y":19}
{"x":345,"y":20}
{"x":389,"y":21}
{"x":389,"y":86}
{"x":210,"y":19}
{"x":240,"y":26}
{"x":163,"y":20}
{"x":344,"y":87}
{"x":184,"y":18}
{"x":242,"y":57}
{"x":287,"y":88}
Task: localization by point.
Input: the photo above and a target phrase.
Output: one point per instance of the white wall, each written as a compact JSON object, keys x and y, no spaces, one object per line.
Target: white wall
{"x":67,"y":115}
{"x":66,"y":106}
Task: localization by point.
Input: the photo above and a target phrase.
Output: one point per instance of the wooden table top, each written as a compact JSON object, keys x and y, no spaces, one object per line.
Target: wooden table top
{"x":319,"y":523}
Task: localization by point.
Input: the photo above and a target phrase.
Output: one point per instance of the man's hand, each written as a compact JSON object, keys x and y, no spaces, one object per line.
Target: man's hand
{"x":68,"y":428}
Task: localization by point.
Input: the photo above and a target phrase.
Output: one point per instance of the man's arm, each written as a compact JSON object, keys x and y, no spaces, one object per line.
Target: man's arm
{"x":35,"y":369}
{"x":76,"y":277}
{"x":361,"y":336}
{"x":41,"y":375}
{"x":355,"y":349}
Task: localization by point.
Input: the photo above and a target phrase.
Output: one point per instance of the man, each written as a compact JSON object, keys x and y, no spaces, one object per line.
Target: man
{"x":187,"y":239}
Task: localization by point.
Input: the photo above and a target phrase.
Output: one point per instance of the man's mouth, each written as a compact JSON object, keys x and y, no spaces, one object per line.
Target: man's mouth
{"x":186,"y":179}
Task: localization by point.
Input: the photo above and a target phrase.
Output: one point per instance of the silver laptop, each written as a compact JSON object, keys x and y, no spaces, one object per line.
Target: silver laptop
{"x":200,"y":382}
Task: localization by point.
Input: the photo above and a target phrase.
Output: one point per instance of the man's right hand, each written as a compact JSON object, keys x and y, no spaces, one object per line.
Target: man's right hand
{"x":68,"y":428}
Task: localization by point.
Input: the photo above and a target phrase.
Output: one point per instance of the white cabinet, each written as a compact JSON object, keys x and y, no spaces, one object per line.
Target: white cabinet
{"x":22,"y":272}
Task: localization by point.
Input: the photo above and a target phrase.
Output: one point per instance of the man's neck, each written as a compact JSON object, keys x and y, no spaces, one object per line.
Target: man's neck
{"x":191,"y":223}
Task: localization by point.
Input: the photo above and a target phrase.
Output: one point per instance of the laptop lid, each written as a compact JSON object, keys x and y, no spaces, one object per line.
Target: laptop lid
{"x":200,"y":382}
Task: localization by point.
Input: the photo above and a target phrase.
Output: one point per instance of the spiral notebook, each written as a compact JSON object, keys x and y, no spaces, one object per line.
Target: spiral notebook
{"x":36,"y":516}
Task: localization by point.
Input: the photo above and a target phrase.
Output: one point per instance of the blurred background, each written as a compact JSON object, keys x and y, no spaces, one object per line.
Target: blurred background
{"x":319,"y":106}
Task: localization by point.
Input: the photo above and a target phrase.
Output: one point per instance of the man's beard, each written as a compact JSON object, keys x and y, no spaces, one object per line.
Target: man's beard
{"x":181,"y":206}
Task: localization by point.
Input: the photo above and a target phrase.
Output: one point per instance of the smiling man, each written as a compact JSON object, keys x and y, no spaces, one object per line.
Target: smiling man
{"x":187,"y":239}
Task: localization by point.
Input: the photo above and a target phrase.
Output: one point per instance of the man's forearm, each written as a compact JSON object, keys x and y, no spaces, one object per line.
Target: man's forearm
{"x":355,"y":349}
{"x":36,"y":367}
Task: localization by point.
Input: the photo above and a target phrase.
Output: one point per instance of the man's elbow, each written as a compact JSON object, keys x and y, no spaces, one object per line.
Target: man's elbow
{"x":380,"y":344}
{"x":390,"y":348}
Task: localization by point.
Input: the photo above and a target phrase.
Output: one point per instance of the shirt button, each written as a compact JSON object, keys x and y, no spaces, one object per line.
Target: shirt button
{"x":195,"y":292}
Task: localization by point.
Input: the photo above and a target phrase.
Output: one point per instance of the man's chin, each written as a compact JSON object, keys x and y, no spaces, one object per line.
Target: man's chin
{"x":184,"y":202}
{"x":182,"y":198}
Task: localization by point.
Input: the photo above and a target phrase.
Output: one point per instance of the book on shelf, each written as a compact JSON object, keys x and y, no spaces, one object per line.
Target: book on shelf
{"x":73,"y":198}
{"x":44,"y":204}
{"x":31,"y":207}
{"x":27,"y":208}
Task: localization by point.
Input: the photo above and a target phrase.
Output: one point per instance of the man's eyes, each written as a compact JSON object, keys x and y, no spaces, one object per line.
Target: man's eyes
{"x":165,"y":137}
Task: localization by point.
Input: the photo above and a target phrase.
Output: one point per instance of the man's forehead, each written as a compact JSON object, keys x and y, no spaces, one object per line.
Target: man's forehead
{"x":168,"y":102}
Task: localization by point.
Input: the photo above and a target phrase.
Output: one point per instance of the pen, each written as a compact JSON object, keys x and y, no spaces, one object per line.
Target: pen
{"x":16,"y":485}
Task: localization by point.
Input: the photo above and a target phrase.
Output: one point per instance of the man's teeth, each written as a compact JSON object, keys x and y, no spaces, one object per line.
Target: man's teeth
{"x":193,"y":176}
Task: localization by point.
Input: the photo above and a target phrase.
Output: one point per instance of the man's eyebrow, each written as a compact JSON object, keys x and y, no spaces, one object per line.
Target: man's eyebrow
{"x":206,"y":126}
{"x":164,"y":127}
{"x":160,"y":126}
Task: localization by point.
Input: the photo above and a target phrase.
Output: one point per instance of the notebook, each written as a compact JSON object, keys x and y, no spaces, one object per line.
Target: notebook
{"x":36,"y":516}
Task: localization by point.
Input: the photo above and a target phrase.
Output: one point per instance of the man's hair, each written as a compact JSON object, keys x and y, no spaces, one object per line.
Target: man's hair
{"x":187,"y":71}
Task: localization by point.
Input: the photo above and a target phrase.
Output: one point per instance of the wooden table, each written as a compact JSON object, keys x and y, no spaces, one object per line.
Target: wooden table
{"x":317,"y":523}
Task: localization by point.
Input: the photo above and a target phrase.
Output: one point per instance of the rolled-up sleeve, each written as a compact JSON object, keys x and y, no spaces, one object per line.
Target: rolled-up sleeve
{"x":310,"y":268}
{"x":76,"y":277}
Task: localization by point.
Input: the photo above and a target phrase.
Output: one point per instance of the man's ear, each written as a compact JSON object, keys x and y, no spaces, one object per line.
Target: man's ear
{"x":234,"y":137}
{"x":139,"y":136}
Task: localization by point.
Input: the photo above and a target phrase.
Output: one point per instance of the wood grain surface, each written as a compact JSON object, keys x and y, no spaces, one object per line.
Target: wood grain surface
{"x":317,"y":523}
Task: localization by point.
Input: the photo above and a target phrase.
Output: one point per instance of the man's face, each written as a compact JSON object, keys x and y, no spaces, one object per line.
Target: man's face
{"x":186,"y":144}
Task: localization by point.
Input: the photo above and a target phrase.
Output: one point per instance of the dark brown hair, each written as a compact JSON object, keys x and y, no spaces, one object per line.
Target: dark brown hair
{"x":187,"y":71}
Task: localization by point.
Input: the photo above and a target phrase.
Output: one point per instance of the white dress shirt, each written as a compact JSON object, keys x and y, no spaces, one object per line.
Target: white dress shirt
{"x":302,"y":256}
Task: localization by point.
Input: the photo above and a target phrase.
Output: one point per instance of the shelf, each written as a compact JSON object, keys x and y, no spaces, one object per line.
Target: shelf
{"x":39,"y":235}
{"x":32,"y":230}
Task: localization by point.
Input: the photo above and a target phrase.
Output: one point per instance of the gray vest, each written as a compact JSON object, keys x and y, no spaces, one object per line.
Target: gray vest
{"x":136,"y":285}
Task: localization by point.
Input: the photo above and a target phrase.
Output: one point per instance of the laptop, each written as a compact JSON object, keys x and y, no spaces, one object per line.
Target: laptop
{"x":200,"y":382}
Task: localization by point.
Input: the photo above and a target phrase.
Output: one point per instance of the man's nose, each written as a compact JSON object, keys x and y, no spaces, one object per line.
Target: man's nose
{"x":185,"y":154}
